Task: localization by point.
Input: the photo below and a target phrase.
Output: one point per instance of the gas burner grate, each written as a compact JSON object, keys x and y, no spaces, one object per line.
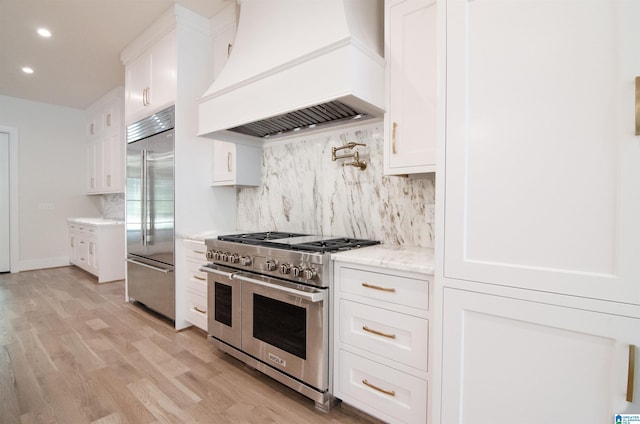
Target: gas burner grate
{"x":258,"y":238}
{"x":324,"y":246}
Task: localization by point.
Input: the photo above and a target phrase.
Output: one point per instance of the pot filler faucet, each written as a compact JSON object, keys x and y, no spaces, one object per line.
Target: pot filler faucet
{"x":355,"y":155}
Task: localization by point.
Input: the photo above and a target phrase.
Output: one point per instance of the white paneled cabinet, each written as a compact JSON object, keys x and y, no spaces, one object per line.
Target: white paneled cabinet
{"x":411,"y":52}
{"x":223,"y":25}
{"x":150,"y":79}
{"x":538,"y":207}
{"x":514,"y":360}
{"x":235,"y":164}
{"x":97,"y":247}
{"x":105,"y":134}
{"x":195,"y":256}
{"x":381,"y":335}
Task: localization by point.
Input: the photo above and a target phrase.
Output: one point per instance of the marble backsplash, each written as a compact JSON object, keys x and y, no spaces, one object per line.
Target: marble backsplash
{"x":112,"y":206}
{"x":303,"y":190}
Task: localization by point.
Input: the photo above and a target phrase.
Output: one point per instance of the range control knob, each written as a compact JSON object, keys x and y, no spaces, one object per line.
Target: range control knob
{"x":285,"y":268}
{"x":234,"y":259}
{"x":308,"y":274}
{"x":296,"y":271}
{"x":224,"y":257}
{"x":271,"y":265}
{"x":209,"y":254}
{"x":216,"y":255}
{"x":245,"y":260}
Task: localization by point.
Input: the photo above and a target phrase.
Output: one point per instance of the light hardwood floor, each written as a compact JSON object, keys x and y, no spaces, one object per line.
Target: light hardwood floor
{"x":73,"y":351}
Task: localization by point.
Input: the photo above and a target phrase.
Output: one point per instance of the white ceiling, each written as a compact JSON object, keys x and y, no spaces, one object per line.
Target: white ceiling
{"x":81,"y":61}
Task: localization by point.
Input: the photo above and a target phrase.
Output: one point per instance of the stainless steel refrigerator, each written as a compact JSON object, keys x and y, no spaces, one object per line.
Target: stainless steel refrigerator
{"x":150,"y":212}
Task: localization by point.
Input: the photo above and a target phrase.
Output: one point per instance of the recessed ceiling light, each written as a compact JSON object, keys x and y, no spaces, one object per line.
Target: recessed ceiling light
{"x":44,"y":32}
{"x":27,"y":70}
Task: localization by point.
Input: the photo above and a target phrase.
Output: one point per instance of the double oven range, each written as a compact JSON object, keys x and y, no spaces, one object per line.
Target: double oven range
{"x":269,"y":303}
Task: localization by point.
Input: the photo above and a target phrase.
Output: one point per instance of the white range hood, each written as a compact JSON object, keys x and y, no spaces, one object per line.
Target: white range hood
{"x":298,"y":65}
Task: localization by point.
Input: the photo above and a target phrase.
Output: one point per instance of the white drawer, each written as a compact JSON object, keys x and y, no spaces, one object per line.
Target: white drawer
{"x":399,"y":337}
{"x":195,"y":250}
{"x":86,"y":229}
{"x":381,"y":391}
{"x":404,"y":291}
{"x":197,"y":309}
{"x":196,"y":279}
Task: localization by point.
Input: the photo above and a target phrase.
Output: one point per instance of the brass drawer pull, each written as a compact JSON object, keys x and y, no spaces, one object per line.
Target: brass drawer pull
{"x":379,"y":333}
{"x":371,"y":286}
{"x":394,"y":150}
{"x":202,"y":311}
{"x":374,"y":387}
{"x":631,"y":375}
{"x":199,"y":252}
{"x":197,"y":277}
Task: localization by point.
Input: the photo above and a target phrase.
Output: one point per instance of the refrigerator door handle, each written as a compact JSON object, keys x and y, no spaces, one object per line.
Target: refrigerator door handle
{"x":143,"y":197}
{"x":155,"y":268}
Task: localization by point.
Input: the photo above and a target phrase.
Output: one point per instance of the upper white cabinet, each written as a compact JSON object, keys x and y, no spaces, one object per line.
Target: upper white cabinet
{"x":542,"y":179}
{"x":223,"y":26}
{"x":235,"y":164}
{"x":150,"y":79}
{"x":411,"y":53}
{"x":105,"y":134}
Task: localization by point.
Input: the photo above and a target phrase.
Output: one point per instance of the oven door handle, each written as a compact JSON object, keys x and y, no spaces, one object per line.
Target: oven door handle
{"x":211,"y":270}
{"x":315,"y":297}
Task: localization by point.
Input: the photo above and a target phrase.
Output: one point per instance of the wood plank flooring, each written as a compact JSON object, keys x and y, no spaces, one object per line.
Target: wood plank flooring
{"x":73,"y":352}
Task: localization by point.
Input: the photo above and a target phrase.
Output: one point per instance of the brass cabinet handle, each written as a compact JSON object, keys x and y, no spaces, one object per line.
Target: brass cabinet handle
{"x":199,"y":252}
{"x":199,"y":278}
{"x":108,"y":119}
{"x":229,"y":48}
{"x":374,"y":387}
{"x":229,"y":161}
{"x":394,"y":150}
{"x":637,"y":105}
{"x":631,"y":375}
{"x":108,"y":180}
{"x":202,"y":311}
{"x":379,"y":333}
{"x":371,"y":286}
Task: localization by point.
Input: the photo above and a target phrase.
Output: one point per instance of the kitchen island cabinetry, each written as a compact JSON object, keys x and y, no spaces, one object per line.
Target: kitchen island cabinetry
{"x":411,"y":52}
{"x":538,"y":205}
{"x":381,"y":340}
{"x":105,"y":134}
{"x":195,"y":256}
{"x":235,"y":164}
{"x":150,"y":79}
{"x":97,"y":246}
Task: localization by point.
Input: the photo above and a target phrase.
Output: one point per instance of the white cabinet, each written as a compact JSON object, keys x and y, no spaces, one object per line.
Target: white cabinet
{"x":512,"y":360}
{"x":538,"y":210}
{"x":223,"y":25}
{"x":98,"y":247}
{"x":105,"y":134}
{"x":150,"y":79}
{"x":381,"y":341}
{"x":235,"y":164}
{"x":195,"y":255}
{"x":411,"y":53}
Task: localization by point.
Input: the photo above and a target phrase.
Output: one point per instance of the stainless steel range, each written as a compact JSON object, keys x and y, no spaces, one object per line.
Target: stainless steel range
{"x":268,"y":303}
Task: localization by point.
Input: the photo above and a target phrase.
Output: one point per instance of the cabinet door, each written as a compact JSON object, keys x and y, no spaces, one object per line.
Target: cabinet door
{"x":224,"y":162}
{"x":137,"y":85}
{"x":507,"y":360}
{"x":95,"y":166}
{"x":162,"y":91}
{"x":222,"y":46}
{"x":542,"y":178}
{"x":411,"y":79}
{"x":113,"y":163}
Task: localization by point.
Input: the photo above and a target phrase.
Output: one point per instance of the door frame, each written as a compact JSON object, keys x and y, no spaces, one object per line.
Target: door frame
{"x":14,"y":222}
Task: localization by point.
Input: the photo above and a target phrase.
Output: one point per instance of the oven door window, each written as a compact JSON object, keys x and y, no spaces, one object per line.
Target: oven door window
{"x":223,"y":304}
{"x":280,"y":324}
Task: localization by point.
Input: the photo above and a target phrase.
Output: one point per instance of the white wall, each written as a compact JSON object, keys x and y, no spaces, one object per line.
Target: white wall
{"x":52,"y":169}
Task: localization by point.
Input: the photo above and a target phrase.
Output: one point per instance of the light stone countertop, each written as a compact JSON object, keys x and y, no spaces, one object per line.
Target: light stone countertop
{"x":96,"y":221}
{"x":403,"y":258}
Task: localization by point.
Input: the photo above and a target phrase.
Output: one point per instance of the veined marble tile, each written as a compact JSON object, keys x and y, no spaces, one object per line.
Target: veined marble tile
{"x":113,"y":206}
{"x":303,"y":190}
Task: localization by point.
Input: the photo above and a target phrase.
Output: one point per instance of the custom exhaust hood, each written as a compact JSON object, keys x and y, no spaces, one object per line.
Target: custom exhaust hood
{"x":297,"y":65}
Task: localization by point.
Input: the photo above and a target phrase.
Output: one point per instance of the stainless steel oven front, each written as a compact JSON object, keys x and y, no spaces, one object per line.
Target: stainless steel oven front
{"x":282,"y":324}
